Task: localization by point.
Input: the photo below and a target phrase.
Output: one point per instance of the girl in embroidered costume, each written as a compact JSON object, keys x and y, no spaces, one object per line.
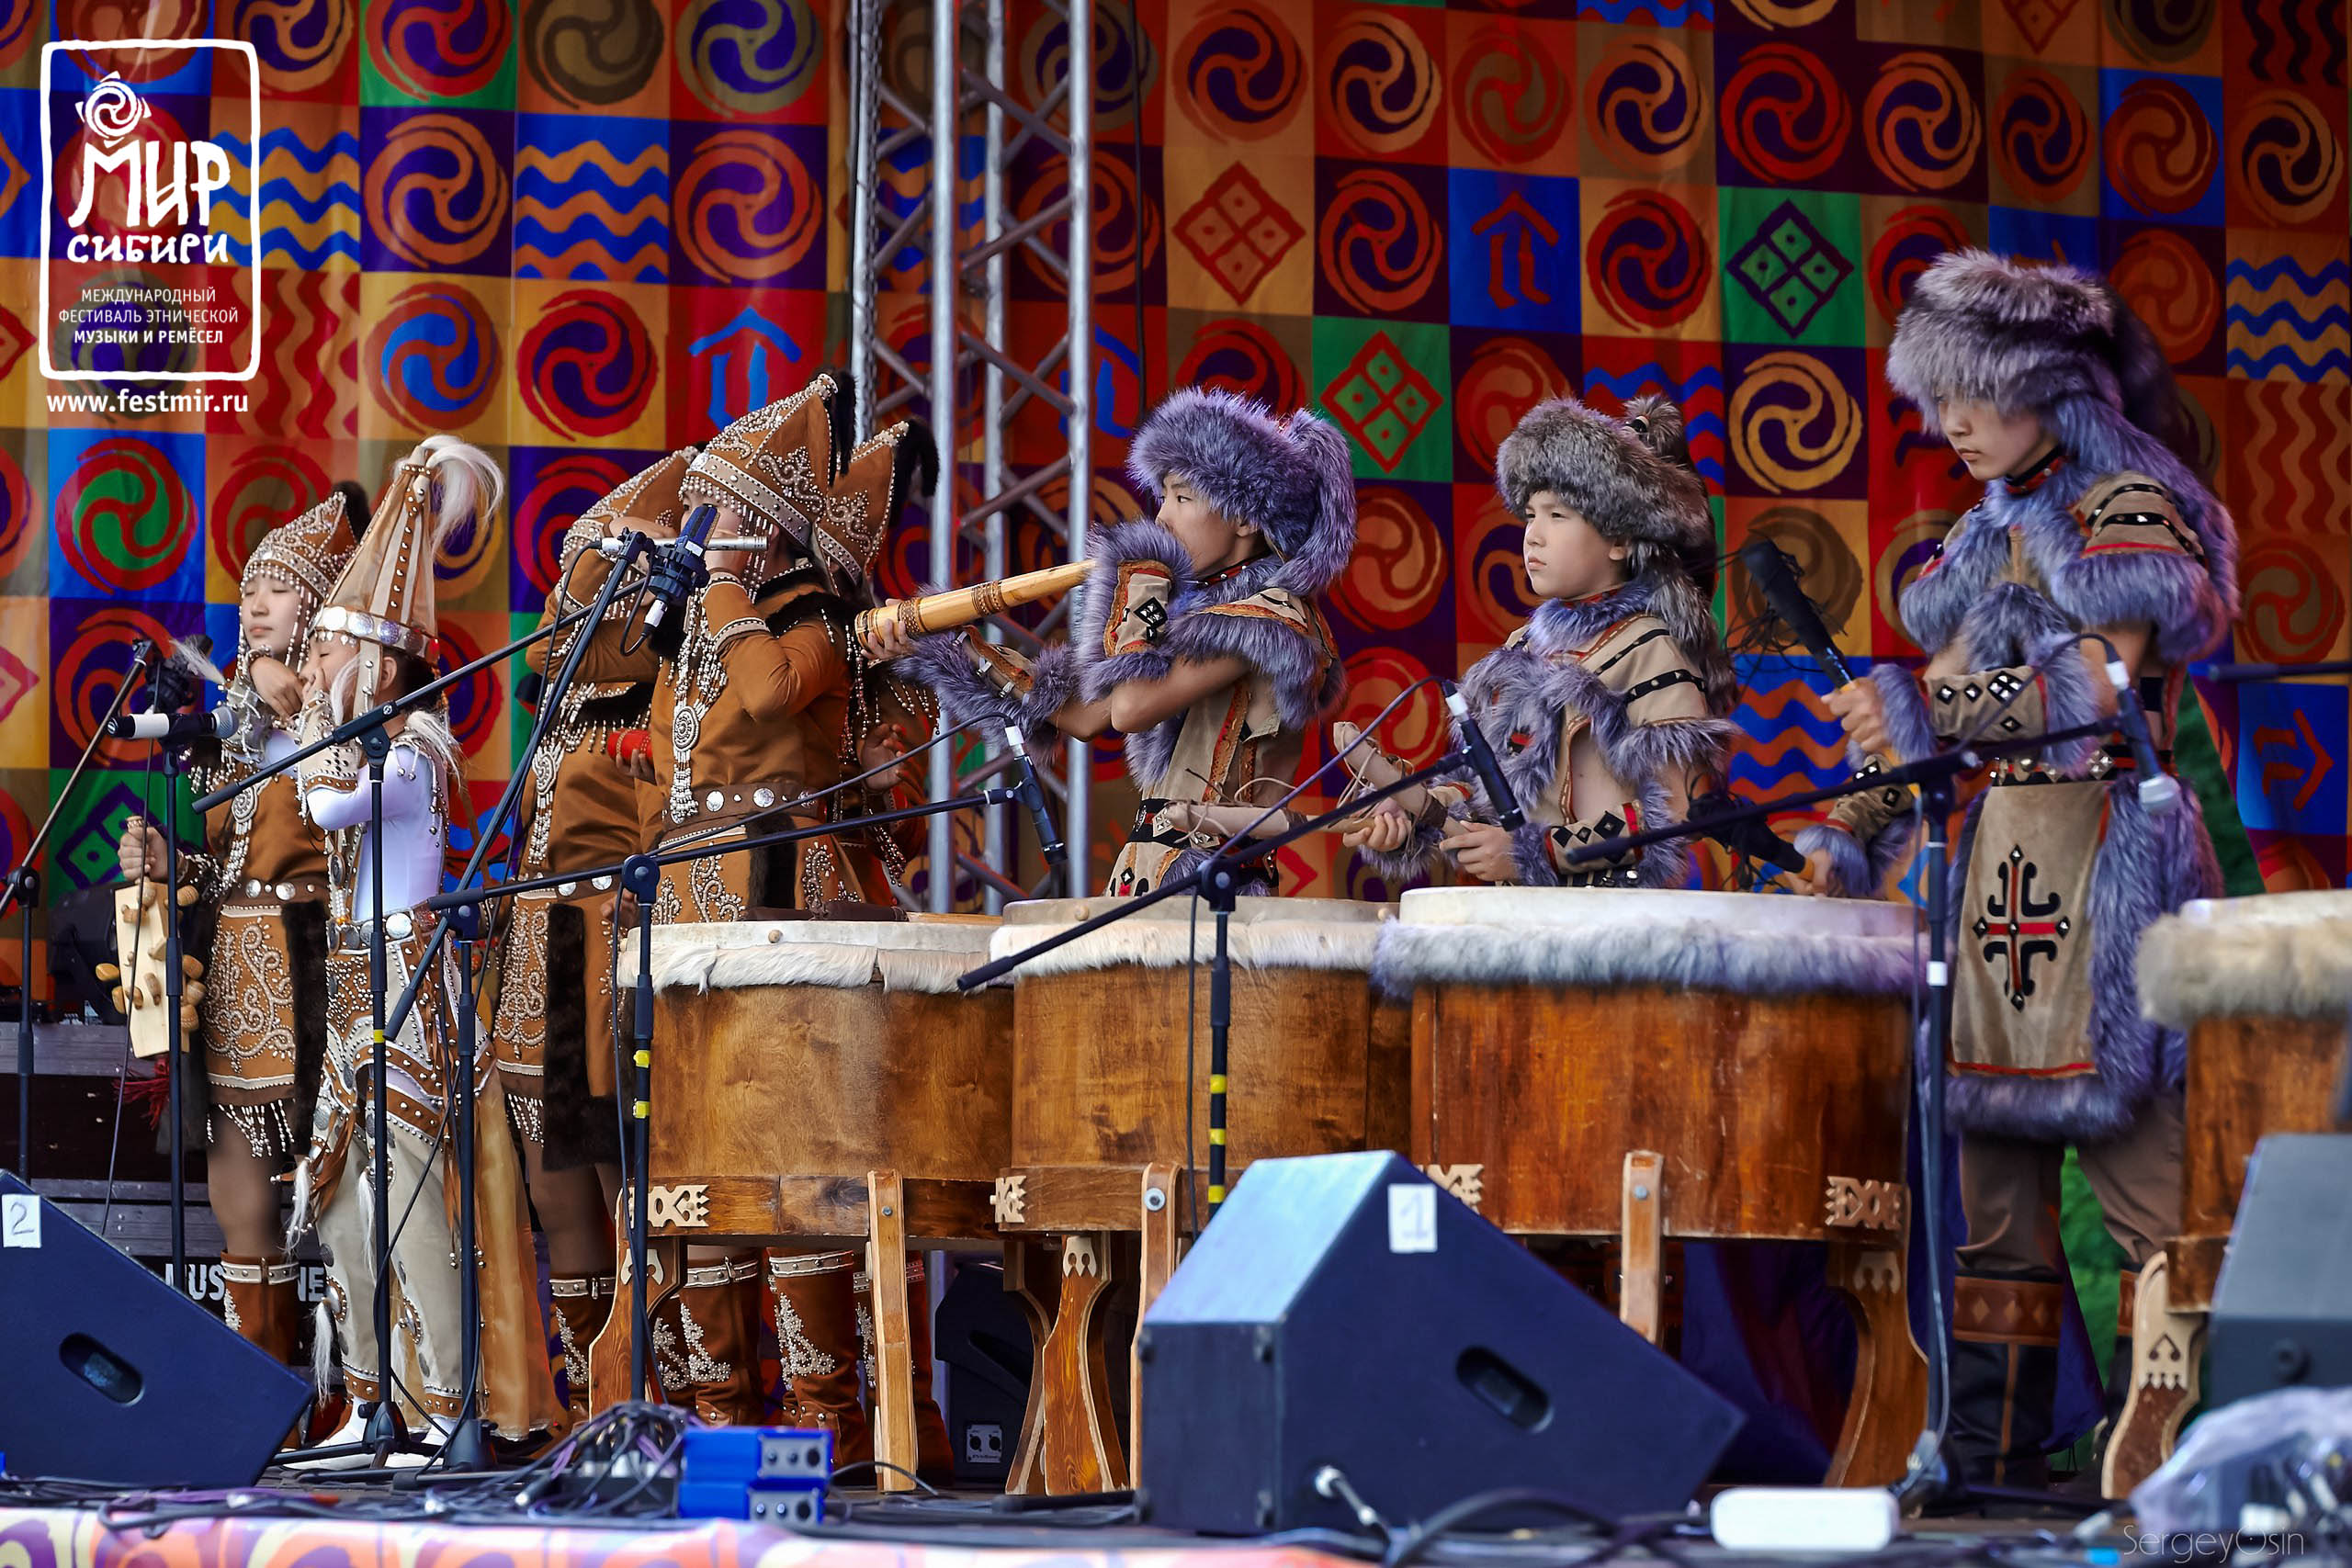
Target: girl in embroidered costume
{"x":764,"y":696}
{"x":262,"y":879}
{"x":551,"y":1027}
{"x":1199,"y":637}
{"x":1607,"y":710}
{"x":368,"y":645}
{"x":2095,"y":531}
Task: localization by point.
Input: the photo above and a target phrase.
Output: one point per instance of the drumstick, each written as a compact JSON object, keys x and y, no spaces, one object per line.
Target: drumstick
{"x":1379,"y":770}
{"x":1224,"y":821}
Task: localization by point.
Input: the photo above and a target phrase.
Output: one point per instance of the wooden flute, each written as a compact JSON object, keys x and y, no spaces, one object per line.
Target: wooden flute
{"x":961,"y":606}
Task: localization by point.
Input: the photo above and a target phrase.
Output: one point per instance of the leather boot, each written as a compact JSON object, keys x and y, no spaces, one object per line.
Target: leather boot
{"x":582,"y":1304}
{"x":2004,"y":1377}
{"x":934,"y":1456}
{"x":715,"y":1315}
{"x":668,"y":1347}
{"x":816,"y":1315}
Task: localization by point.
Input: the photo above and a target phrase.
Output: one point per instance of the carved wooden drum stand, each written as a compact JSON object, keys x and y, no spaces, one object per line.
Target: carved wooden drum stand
{"x":1709,"y":1065}
{"x":1101,"y":1068}
{"x":818,"y":1082}
{"x":2260,"y":985}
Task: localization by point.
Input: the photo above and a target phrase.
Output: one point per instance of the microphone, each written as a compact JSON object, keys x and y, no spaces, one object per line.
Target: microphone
{"x":1482,"y":759}
{"x":2274,"y":671}
{"x":2159,"y":791}
{"x":679,"y":571}
{"x":1049,"y":839}
{"x":1768,"y":566}
{"x":174,"y":729}
{"x":1753,"y":837}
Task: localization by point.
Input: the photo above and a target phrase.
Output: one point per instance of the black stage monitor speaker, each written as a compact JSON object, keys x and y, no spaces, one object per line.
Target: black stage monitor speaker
{"x":1341,"y":1309}
{"x":113,"y":1375}
{"x":2282,"y":1308}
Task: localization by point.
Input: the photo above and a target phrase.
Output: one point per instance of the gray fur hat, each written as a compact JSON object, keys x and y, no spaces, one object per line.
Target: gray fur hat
{"x":1290,"y":475}
{"x":1630,"y":477}
{"x":2025,"y":338}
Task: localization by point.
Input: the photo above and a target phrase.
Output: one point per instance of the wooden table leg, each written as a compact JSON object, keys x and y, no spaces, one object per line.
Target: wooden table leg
{"x":1032,"y":1278}
{"x":1160,"y":1248}
{"x":1890,"y":1399}
{"x":2166,"y":1348}
{"x":608,"y":1357}
{"x":1641,"y":1295}
{"x":1082,"y":1448}
{"x":894,"y":1391}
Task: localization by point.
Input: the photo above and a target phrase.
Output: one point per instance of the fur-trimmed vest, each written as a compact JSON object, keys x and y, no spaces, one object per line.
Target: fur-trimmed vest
{"x":1607,"y":673}
{"x":1143,"y":609}
{"x":2061,"y":868}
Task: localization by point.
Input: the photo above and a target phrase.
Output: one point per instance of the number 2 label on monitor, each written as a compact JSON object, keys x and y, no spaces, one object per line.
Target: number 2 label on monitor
{"x":19,"y":1220}
{"x":1412,"y":1218}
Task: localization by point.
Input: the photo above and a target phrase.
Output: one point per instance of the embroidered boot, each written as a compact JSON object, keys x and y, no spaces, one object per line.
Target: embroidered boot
{"x":2004,"y":1377}
{"x":817,"y":1338}
{"x":934,"y":1458}
{"x":716,"y":1314}
{"x":668,"y":1348}
{"x":582,"y":1304}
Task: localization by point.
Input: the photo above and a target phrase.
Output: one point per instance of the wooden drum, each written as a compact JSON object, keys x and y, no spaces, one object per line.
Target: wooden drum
{"x":1099,"y":1135}
{"x":819,"y":1081}
{"x":2260,"y":985}
{"x":1593,"y":1062}
{"x":791,"y":1057}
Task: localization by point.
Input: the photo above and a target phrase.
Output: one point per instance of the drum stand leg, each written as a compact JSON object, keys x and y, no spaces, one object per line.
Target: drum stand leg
{"x":2166,"y":1348}
{"x":608,"y":1357}
{"x":1030,"y":1277}
{"x":1082,"y":1448}
{"x":1890,"y":1399}
{"x":894,"y":1389}
{"x":1641,"y":1294}
{"x":1159,"y":1254}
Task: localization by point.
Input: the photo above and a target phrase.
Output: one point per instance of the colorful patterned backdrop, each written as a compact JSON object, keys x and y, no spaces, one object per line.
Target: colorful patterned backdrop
{"x":583,"y":231}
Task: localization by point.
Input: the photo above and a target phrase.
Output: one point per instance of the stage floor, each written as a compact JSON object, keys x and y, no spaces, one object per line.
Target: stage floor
{"x":141,"y":1538}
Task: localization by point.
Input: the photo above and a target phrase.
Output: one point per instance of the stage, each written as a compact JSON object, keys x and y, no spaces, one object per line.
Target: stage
{"x":967,"y":1537}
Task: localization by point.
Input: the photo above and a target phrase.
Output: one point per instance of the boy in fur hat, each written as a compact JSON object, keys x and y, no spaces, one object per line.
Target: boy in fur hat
{"x":368,"y":643}
{"x":1607,"y":710}
{"x":765,"y":696}
{"x":262,"y":876}
{"x":1199,"y":637}
{"x":2094,"y":531}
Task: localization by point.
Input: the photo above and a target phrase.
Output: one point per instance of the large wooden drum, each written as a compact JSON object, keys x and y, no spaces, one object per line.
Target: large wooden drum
{"x":791,"y":1057}
{"x":1651,"y":1064}
{"x":820,"y":1081}
{"x":2260,"y":985}
{"x":1102,"y":1064}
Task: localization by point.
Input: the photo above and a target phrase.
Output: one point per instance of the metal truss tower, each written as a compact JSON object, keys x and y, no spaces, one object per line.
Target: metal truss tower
{"x":953,"y":146}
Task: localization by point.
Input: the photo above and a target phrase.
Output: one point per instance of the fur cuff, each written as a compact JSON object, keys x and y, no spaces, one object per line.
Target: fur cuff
{"x":1850,"y":864}
{"x":2072,"y":698}
{"x":1530,"y":852}
{"x":2175,"y":593}
{"x":1907,"y":724}
{"x":1419,"y":858}
{"x":945,"y":664}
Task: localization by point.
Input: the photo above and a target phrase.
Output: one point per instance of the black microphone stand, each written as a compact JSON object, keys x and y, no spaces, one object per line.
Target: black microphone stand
{"x":21,"y":891}
{"x":1217,"y":881}
{"x":640,"y":874}
{"x":1934,"y":776}
{"x":385,"y":1432}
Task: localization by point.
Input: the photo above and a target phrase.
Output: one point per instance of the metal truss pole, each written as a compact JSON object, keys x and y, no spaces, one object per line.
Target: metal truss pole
{"x":972,"y":351}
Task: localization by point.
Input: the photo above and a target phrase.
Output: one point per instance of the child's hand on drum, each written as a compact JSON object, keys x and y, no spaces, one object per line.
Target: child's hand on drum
{"x":1384,"y":829}
{"x":1482,"y":850}
{"x":1816,"y":879}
